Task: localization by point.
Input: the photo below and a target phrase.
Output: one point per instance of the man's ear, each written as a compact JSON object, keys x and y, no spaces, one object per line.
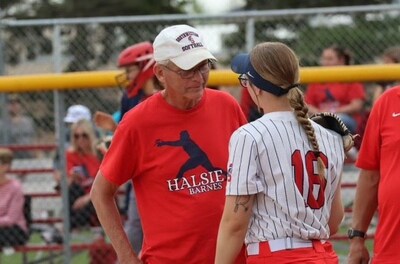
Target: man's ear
{"x":159,"y":72}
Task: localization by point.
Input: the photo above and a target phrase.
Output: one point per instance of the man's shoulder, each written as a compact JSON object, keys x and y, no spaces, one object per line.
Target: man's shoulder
{"x":391,"y":96}
{"x":150,"y":104}
{"x":392,"y":91}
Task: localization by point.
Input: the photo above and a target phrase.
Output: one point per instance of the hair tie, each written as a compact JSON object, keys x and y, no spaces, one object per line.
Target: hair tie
{"x":292,"y":86}
{"x":317,"y":153}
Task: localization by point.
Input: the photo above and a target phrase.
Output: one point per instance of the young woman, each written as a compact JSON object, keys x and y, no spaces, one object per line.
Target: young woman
{"x":82,"y":166}
{"x":283,"y":192}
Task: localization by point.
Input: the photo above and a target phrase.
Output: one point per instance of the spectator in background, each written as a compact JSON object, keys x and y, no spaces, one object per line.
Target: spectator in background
{"x":74,"y":114}
{"x":344,"y":99}
{"x":390,"y":56}
{"x":19,"y":127}
{"x":82,"y":166}
{"x":13,"y":225}
{"x":138,"y":80}
{"x":378,"y":184}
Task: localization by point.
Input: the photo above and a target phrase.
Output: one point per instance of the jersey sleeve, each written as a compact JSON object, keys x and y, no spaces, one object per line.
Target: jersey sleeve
{"x":242,"y":165}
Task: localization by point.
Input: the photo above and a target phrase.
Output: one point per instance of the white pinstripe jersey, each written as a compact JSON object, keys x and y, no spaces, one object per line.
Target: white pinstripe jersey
{"x":272,"y":158}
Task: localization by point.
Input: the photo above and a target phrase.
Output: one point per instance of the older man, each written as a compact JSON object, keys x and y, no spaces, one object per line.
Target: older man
{"x":174,"y":148}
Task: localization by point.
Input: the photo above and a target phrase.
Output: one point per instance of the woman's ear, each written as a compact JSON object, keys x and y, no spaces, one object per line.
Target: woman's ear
{"x":257,"y":91}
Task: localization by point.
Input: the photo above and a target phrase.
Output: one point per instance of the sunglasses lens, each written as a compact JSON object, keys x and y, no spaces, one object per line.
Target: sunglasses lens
{"x":84,"y":135}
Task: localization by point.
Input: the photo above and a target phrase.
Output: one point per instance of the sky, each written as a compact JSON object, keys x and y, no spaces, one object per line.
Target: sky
{"x":219,"y":6}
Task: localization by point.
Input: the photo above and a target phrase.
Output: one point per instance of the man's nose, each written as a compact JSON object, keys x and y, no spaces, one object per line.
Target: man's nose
{"x":198,"y":75}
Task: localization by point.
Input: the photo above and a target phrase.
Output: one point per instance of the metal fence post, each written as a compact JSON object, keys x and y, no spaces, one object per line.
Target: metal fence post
{"x":3,"y":113}
{"x":250,"y":34}
{"x":60,"y":139}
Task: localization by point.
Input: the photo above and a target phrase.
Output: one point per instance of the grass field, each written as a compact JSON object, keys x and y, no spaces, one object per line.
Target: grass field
{"x":17,"y":258}
{"x":341,"y":247}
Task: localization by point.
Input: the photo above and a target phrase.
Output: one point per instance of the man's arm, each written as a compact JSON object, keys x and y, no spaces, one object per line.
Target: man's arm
{"x":233,"y":227}
{"x":102,"y":196}
{"x":365,"y":205}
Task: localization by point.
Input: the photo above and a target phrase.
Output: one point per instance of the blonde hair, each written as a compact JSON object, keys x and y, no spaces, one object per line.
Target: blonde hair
{"x":277,"y":63}
{"x":87,"y":128}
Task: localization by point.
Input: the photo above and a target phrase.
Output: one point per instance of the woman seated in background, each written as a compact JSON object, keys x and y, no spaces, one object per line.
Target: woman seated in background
{"x":13,"y":226}
{"x":82,"y":166}
{"x":344,"y":99}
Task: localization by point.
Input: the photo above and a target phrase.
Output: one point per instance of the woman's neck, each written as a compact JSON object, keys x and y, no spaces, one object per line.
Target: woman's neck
{"x":269,"y":104}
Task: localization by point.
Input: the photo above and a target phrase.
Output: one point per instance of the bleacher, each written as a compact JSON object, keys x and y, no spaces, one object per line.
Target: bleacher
{"x":44,"y":213}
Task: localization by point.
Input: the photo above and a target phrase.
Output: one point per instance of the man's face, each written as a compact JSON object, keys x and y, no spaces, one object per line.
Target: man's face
{"x":188,"y":84}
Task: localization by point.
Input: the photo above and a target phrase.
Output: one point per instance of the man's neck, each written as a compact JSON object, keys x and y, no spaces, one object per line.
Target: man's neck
{"x":180,"y":103}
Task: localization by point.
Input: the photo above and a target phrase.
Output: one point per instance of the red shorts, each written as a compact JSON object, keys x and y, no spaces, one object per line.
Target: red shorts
{"x":290,"y":250}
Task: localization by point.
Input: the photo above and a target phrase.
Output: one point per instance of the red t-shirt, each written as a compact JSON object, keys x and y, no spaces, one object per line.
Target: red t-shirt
{"x":177,"y":160}
{"x":380,"y":150}
{"x":328,"y":96}
{"x":89,"y":165}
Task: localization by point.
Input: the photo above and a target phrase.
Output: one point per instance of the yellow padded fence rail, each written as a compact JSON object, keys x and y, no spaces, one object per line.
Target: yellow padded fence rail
{"x":106,"y":79}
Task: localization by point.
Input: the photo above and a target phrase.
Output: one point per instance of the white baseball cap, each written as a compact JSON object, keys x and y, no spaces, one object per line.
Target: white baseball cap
{"x":181,"y":44}
{"x":76,"y":113}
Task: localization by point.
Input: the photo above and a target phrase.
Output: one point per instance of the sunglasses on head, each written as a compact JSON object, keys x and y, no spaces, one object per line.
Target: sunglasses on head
{"x":83,"y":135}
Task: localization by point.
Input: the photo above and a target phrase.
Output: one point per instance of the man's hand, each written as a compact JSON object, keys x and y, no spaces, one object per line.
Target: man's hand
{"x":358,"y":253}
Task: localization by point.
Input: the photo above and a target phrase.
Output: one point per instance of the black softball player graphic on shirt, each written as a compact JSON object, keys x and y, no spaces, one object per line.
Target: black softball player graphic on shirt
{"x":197,"y":157}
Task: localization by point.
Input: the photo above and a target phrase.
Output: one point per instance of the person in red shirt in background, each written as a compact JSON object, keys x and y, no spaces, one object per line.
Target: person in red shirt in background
{"x":378,"y":184}
{"x":82,"y":166}
{"x":344,"y":99}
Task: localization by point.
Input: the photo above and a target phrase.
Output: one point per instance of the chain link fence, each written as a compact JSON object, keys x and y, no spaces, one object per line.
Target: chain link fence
{"x":68,"y":45}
